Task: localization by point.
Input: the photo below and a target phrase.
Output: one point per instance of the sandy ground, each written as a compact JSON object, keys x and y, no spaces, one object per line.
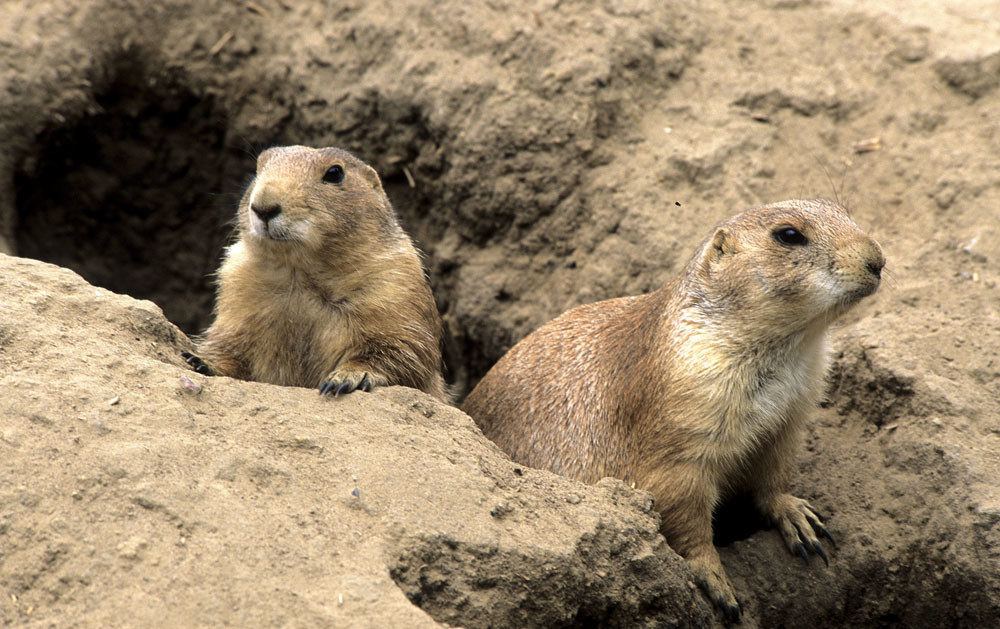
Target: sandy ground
{"x":543,"y":154}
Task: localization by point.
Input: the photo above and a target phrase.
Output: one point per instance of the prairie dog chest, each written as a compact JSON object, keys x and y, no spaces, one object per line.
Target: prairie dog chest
{"x":749,"y":396}
{"x":778,"y":391}
{"x":765,"y":393}
{"x":295,"y":331}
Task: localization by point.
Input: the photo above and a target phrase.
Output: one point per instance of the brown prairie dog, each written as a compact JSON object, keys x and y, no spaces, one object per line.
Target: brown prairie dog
{"x":698,"y":389}
{"x":322,"y":287}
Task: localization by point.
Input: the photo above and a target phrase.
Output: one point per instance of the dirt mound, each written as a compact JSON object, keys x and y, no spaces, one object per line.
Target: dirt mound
{"x":543,"y":155}
{"x":135,"y":486}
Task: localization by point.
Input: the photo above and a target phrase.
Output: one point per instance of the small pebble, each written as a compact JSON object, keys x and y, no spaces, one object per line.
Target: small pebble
{"x":189,"y":385}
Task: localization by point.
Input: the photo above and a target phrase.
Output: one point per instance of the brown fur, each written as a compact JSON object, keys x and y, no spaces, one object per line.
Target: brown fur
{"x":698,"y":389}
{"x":330,"y":292}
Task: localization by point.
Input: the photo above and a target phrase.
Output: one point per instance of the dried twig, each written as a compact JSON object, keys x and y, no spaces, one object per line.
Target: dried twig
{"x":868,"y":145}
{"x":219,"y":45}
{"x":253,"y":7}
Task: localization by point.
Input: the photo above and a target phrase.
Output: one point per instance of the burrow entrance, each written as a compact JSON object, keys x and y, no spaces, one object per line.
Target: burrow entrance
{"x":137,"y":197}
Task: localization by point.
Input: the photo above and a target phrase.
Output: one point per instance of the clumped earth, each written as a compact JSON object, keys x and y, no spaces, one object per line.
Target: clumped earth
{"x":543,"y":155}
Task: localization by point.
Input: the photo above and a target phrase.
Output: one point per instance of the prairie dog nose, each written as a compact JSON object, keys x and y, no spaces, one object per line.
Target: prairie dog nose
{"x":875,"y":267}
{"x":266,"y":212}
{"x":876,"y":260}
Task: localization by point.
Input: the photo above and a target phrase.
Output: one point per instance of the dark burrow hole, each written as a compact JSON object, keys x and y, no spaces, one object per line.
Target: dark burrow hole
{"x":137,"y":197}
{"x":736,"y":519}
{"x":464,"y":364}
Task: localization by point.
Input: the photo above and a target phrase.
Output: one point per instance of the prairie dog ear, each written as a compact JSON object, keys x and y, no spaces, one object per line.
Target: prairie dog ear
{"x":371,"y":177}
{"x":722,"y":244}
{"x":265,"y":156}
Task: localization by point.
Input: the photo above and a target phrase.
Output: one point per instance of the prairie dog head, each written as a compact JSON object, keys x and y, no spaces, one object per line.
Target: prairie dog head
{"x":317,"y":199}
{"x":790,"y":265}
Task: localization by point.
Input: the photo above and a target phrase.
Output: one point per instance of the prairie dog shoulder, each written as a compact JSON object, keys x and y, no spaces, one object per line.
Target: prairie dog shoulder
{"x":322,"y":286}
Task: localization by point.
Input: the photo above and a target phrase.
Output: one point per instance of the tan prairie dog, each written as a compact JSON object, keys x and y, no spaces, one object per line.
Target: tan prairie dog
{"x":322,"y":288}
{"x":698,"y":389}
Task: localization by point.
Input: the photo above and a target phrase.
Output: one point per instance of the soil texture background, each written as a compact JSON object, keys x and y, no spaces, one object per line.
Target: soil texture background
{"x":543,"y":155}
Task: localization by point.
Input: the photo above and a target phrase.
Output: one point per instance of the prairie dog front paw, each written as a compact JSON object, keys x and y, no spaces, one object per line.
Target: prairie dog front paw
{"x":346,"y":380}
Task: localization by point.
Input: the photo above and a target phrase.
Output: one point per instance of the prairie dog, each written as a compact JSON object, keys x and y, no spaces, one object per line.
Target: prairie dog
{"x":698,"y":389}
{"x":322,"y":288}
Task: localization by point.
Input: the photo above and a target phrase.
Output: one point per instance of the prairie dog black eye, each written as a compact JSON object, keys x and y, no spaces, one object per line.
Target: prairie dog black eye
{"x":334,"y":174}
{"x":790,"y":236}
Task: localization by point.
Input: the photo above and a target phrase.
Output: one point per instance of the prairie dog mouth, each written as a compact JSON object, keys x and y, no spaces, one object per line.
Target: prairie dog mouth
{"x":275,"y":229}
{"x":863,"y":290}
